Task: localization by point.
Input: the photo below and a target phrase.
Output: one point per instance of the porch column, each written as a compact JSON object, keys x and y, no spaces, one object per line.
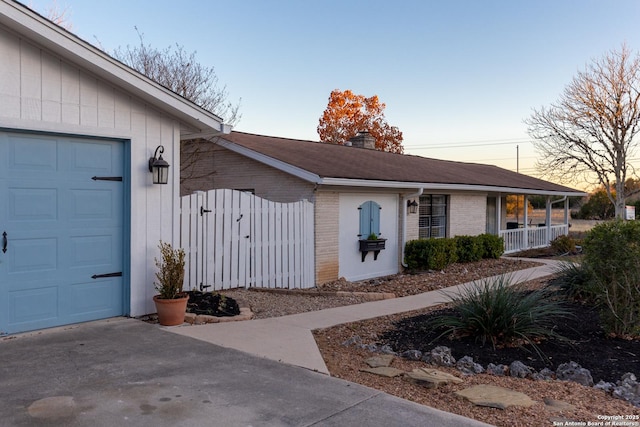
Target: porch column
{"x":499,"y":213}
{"x":547,"y":221}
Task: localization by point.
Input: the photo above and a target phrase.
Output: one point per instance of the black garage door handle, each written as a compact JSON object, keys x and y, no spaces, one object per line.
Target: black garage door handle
{"x":5,"y":242}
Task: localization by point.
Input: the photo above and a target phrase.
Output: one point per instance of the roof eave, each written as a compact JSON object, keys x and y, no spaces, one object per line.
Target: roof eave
{"x":447,"y":187}
{"x":50,"y":36}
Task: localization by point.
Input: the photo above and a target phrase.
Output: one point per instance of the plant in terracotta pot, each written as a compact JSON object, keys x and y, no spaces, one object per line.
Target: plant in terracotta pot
{"x":171,"y":301}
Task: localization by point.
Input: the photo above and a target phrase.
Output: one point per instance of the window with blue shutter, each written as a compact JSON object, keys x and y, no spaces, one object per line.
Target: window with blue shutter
{"x":369,"y":219}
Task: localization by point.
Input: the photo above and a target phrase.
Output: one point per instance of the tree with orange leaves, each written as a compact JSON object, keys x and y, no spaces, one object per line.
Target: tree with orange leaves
{"x":348,"y":113}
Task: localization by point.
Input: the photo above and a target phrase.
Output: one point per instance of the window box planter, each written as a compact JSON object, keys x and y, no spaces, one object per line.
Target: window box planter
{"x":374,"y":246}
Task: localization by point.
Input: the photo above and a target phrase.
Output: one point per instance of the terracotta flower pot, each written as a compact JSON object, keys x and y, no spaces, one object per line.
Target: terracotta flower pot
{"x":171,"y":311}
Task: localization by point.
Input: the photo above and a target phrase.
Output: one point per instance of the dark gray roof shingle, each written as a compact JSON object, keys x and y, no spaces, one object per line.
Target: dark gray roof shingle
{"x":338,"y":161}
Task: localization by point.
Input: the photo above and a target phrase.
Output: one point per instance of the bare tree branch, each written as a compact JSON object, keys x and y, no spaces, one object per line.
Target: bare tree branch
{"x":589,"y":134}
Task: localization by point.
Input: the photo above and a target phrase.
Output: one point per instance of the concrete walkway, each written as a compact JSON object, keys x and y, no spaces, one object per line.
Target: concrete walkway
{"x":288,"y":339}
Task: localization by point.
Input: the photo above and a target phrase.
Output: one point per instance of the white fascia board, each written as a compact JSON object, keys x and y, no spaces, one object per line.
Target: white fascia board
{"x":270,"y":161}
{"x":68,"y":46}
{"x":443,"y":187}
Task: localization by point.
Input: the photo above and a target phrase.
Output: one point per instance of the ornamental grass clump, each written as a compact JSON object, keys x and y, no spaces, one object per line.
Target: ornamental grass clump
{"x":497,"y":311}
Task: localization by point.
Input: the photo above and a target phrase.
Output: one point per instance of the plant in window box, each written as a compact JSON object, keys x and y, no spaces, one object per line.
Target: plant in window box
{"x":372,"y":243}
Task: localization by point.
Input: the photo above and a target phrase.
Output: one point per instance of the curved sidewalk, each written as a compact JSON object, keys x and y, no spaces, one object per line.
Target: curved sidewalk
{"x":289,"y":339}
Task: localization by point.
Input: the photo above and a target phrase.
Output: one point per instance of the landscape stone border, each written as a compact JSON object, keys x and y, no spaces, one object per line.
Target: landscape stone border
{"x":201,"y":319}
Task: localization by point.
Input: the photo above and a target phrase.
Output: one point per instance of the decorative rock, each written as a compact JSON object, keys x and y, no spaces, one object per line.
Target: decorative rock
{"x":628,"y":389}
{"x":520,"y":370}
{"x":386,"y":349}
{"x":440,"y":356}
{"x":467,"y":366}
{"x":378,"y":361}
{"x":495,"y":397}
{"x":355,"y":340}
{"x":432,"y":378}
{"x":557,"y":405}
{"x":499,"y":370}
{"x":371,"y":347}
{"x":574,"y":372}
{"x":190,"y":318}
{"x":411,"y":354}
{"x":544,"y":374}
{"x":384,"y":371}
{"x":605,"y":386}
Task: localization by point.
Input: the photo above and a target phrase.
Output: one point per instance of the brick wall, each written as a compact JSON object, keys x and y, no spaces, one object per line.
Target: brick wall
{"x":326,"y":236}
{"x":217,"y":167}
{"x":467,"y":214}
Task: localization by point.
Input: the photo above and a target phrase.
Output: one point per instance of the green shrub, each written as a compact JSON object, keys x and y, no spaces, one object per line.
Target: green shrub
{"x":430,"y":254}
{"x":502,"y":313}
{"x":468,"y":248}
{"x":563,"y":244}
{"x":612,"y":254}
{"x":492,"y":245}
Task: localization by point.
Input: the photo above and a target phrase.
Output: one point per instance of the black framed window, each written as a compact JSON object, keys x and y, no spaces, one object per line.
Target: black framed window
{"x":432,"y":217}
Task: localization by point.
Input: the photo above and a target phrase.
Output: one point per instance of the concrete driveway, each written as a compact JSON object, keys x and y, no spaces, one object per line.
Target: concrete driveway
{"x":124,"y":372}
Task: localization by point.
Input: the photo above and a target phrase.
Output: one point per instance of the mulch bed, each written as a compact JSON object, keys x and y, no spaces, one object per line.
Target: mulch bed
{"x":605,"y":357}
{"x":212,"y":304}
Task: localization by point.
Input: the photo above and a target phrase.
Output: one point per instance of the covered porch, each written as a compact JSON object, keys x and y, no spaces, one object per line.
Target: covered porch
{"x":525,"y":232}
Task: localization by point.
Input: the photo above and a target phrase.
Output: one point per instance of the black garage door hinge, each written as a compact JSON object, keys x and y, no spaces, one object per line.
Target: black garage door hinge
{"x":100,"y":276}
{"x":106,"y":178}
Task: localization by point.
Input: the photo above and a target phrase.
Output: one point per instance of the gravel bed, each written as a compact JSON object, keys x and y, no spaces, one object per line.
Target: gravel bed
{"x":266,"y":304}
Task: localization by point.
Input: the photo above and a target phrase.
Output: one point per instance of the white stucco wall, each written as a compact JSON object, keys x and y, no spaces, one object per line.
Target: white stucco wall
{"x":42,"y":92}
{"x":351,"y":266}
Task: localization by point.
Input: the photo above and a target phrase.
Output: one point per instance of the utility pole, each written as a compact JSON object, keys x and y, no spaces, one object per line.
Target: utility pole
{"x":517,"y":196}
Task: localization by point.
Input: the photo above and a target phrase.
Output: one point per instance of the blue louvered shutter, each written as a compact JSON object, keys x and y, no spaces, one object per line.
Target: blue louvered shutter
{"x":369,"y":219}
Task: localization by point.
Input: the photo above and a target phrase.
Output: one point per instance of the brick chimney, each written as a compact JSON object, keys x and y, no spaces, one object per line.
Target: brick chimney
{"x":363,"y":140}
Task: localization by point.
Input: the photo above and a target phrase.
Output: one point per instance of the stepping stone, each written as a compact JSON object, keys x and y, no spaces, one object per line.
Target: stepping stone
{"x":432,"y":378}
{"x":557,"y":405}
{"x":384,"y":371}
{"x":378,"y":361}
{"x":495,"y":397}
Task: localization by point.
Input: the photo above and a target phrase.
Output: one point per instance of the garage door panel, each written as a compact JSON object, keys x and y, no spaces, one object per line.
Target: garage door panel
{"x":31,"y":153}
{"x":93,"y":297}
{"x":34,"y":305}
{"x":31,"y":255}
{"x":91,"y":204}
{"x":93,"y":157}
{"x":92,"y":251}
{"x":28,"y":204}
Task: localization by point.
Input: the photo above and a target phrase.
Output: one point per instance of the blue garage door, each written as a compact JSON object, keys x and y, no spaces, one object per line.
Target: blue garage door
{"x":61,"y":230}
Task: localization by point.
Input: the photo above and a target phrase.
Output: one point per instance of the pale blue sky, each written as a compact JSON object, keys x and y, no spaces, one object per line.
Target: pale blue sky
{"x":453,"y":73}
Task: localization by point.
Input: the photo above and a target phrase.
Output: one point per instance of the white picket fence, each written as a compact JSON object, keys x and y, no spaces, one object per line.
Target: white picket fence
{"x":234,"y":239}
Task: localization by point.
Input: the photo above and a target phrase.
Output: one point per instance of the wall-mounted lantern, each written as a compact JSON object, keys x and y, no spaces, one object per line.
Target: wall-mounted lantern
{"x":159,"y":167}
{"x":412,"y":206}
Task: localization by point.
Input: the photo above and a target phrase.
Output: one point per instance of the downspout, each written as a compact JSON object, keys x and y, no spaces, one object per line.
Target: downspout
{"x":404,"y":221}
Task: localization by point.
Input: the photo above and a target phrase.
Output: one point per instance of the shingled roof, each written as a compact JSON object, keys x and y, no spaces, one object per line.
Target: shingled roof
{"x":332,"y":163}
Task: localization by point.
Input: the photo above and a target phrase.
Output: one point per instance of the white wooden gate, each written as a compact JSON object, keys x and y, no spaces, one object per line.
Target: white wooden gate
{"x":235,"y":239}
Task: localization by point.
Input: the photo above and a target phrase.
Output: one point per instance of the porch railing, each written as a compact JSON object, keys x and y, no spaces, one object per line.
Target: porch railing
{"x":520,"y":239}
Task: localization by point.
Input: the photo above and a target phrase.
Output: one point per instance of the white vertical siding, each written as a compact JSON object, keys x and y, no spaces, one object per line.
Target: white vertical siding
{"x":40,"y":91}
